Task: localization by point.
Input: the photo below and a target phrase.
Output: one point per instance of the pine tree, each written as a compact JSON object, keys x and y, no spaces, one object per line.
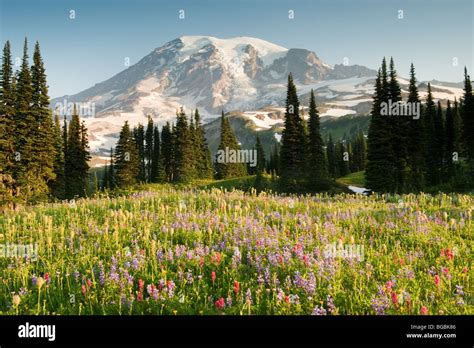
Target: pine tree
{"x":380,"y":171}
{"x":155,"y":159}
{"x":149,"y":149}
{"x":400,"y":126}
{"x":416,"y":143}
{"x":25,"y":124}
{"x":453,"y":139}
{"x":139,"y":136}
{"x":317,"y":165}
{"x":166,"y":155}
{"x":228,"y":142}
{"x":44,"y":149}
{"x":57,"y":186}
{"x":342,"y":158}
{"x":105,"y":177}
{"x":331,"y":157}
{"x":111,"y":180}
{"x":127,"y":161}
{"x":467,"y":111}
{"x":293,"y":143}
{"x":431,"y":154}
{"x":7,"y":128}
{"x":203,"y":153}
{"x":77,"y":156}
{"x":184,"y":170}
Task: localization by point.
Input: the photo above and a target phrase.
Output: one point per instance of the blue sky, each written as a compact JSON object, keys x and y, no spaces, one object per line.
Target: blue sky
{"x":91,"y":48}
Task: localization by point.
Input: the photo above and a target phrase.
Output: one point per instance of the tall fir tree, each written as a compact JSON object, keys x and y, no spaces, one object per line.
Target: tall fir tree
{"x":57,"y":186}
{"x":400,"y":126}
{"x":167,"y":155}
{"x":156,"y":155}
{"x":431,"y":153}
{"x":203,"y":153}
{"x":184,"y":169}
{"x":24,"y":128}
{"x":467,"y":112}
{"x":76,"y":166}
{"x":111,"y":179}
{"x":453,"y":139}
{"x":7,"y":129}
{"x":380,"y":170}
{"x":228,"y":142}
{"x":44,"y":149}
{"x":149,"y":149}
{"x":139,"y":136}
{"x":293,"y":143}
{"x":317,"y":165}
{"x":331,"y":157}
{"x":127,"y":161}
{"x":416,"y":143}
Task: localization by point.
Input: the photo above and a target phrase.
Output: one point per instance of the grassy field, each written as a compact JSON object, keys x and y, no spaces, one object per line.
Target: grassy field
{"x":164,"y":250}
{"x":355,"y":179}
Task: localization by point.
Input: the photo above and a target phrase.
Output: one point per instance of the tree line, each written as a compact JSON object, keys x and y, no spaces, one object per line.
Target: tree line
{"x":434,"y":150}
{"x":38,"y":158}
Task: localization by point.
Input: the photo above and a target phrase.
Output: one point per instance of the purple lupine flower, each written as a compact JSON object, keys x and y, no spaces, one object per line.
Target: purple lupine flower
{"x":319,"y":311}
{"x":189,"y":277}
{"x":459,"y":290}
{"x":248,"y":296}
{"x":171,"y":287}
{"x":267,"y":276}
{"x":280,"y":294}
{"x":76,"y":275}
{"x":152,"y":291}
{"x":330,"y":304}
{"x":33,"y":280}
{"x":159,"y":255}
{"x":229,"y":301}
{"x":135,"y":263}
{"x":101,"y":275}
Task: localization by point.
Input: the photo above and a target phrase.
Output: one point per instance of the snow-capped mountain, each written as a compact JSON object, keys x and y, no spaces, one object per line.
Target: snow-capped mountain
{"x":243,"y":73}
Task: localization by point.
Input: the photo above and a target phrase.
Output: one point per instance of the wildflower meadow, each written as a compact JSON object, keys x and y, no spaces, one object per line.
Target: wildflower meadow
{"x":186,"y":251}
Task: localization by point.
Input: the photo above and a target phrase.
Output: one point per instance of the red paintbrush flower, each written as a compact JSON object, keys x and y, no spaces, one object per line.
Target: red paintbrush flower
{"x":213,"y":277}
{"x":236,"y":287}
{"x":220,"y":303}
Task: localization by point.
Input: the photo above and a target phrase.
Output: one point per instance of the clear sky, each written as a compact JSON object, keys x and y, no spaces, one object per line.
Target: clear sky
{"x":81,"y":52}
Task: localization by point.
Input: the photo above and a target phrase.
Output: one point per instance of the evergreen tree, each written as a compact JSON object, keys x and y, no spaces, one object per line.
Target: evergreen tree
{"x":453,"y":139}
{"x":77,"y":157}
{"x":317,"y":166}
{"x":400,"y":126}
{"x":44,"y":149}
{"x":149,"y":149}
{"x":127,"y":161}
{"x":166,"y":155}
{"x":139,"y":136}
{"x":105,"y":177}
{"x":380,"y":171}
{"x":111,"y":180}
{"x":184,"y":170}
{"x":57,"y":186}
{"x":293,"y":143}
{"x":431,"y":146}
{"x":203,"y":153}
{"x":416,"y":143}
{"x":25,"y":130}
{"x":468,"y":118}
{"x":155,"y":160}
{"x":331,"y":157}
{"x":7,"y":128}
{"x":342,"y":157}
{"x":228,"y":142}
